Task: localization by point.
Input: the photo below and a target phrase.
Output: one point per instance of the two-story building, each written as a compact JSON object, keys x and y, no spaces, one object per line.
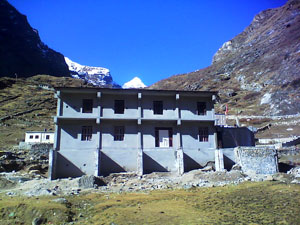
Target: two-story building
{"x":101,"y":131}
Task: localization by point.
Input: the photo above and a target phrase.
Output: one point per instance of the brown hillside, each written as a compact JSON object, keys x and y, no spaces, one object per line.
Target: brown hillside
{"x":258,"y":71}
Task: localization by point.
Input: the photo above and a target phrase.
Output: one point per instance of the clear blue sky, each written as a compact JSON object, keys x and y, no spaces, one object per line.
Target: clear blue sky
{"x":151,"y":39}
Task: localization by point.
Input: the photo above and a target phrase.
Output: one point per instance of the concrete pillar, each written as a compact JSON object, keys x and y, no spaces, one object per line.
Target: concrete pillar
{"x":97,"y":162}
{"x":180,"y":162}
{"x":140,"y":167}
{"x":52,"y":164}
{"x":219,"y":160}
{"x":56,"y":144}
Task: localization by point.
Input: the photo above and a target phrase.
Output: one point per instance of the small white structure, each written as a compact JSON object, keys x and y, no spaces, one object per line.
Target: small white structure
{"x":39,"y":137}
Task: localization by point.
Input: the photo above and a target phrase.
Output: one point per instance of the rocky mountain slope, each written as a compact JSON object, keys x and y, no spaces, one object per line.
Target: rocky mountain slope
{"x":97,"y":76}
{"x":21,"y":50}
{"x":258,"y":71}
{"x":134,"y":83}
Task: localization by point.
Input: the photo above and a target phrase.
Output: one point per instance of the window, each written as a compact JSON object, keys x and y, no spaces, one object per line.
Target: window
{"x":31,"y":137}
{"x":87,"y":105}
{"x":119,"y":133}
{"x":86,"y":133}
{"x":201,"y":108}
{"x":203,"y":134}
{"x":119,"y":106}
{"x":36,"y":136}
{"x":158,"y":107}
{"x":163,"y":137}
{"x":47,"y":137}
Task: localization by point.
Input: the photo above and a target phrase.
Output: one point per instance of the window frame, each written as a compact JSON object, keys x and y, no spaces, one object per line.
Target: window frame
{"x":158,"y":107}
{"x":87,"y":105}
{"x":203,"y":134}
{"x":86,"y":133}
{"x":119,"y":133}
{"x":201,"y":108}
{"x":119,"y":106}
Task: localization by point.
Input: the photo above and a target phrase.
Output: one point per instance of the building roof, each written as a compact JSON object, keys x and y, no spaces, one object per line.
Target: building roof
{"x":48,"y":132}
{"x":132,"y":91}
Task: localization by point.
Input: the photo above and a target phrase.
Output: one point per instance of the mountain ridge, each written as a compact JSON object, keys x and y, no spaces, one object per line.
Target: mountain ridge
{"x":22,"y":53}
{"x":259,"y":64}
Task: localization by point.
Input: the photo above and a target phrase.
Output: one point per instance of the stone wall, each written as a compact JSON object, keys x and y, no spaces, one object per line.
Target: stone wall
{"x":257,"y":160}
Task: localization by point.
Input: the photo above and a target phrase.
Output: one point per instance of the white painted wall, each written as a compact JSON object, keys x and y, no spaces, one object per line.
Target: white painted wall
{"x":39,"y":137}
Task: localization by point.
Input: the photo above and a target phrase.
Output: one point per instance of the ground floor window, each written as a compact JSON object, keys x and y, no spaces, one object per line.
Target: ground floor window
{"x":86,"y":133}
{"x":31,"y":137}
{"x":203,"y":134}
{"x":163,"y":137}
{"x":36,"y":136}
{"x":47,"y":137}
{"x":119,"y":133}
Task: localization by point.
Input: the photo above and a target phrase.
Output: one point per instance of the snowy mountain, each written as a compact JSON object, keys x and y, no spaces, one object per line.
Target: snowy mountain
{"x":134,"y":83}
{"x":97,"y":76}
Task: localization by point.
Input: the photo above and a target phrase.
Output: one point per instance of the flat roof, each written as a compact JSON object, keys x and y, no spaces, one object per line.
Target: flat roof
{"x":130,"y":90}
{"x":39,"y":132}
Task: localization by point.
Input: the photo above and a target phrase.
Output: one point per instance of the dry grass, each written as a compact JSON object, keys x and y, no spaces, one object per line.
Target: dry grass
{"x":247,"y":203}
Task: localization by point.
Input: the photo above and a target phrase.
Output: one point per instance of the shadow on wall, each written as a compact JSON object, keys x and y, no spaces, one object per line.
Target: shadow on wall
{"x":190,"y":164}
{"x":228,"y":163}
{"x":66,"y":168}
{"x":150,"y":165}
{"x":107,"y":166}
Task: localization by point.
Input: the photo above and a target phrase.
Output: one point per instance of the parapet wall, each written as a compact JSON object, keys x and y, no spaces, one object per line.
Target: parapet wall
{"x":258,"y":160}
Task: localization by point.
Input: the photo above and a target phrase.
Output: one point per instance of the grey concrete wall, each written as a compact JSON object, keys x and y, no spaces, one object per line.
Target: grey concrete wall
{"x":168,"y":107}
{"x":75,"y":163}
{"x":159,"y":160}
{"x":257,"y":160}
{"x":72,"y":105}
{"x":236,"y":136}
{"x":108,"y":104}
{"x":148,"y":133}
{"x":188,"y":107}
{"x":190,"y":135}
{"x":118,"y":160}
{"x":197,"y":159}
{"x":71,"y":135}
{"x":130,"y":137}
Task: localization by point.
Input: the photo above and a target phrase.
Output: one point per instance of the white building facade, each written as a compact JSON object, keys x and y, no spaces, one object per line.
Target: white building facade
{"x":39,"y":137}
{"x":101,"y":131}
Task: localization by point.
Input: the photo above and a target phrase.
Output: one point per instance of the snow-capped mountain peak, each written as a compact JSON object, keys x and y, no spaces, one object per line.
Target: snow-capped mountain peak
{"x":134,"y":83}
{"x":97,"y":76}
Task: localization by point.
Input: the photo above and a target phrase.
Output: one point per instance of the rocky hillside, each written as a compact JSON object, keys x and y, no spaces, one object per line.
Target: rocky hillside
{"x":258,"y":71}
{"x":21,"y":50}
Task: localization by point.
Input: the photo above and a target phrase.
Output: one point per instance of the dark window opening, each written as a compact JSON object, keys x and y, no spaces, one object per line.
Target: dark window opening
{"x":86,"y":133}
{"x":47,"y":137}
{"x":158,"y":107}
{"x":170,"y":136}
{"x":119,"y":106}
{"x":31,"y":137}
{"x":36,"y":136}
{"x":119,"y":133}
{"x":201,"y":108}
{"x":87,"y":105}
{"x":203,"y":134}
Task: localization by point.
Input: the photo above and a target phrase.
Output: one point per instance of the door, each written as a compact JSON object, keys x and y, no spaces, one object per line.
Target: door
{"x":163,"y":138}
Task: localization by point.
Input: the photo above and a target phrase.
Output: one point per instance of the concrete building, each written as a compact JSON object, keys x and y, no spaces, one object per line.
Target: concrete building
{"x":101,"y":131}
{"x":39,"y":137}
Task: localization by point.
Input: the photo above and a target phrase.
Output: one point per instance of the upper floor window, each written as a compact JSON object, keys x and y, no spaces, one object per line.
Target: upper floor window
{"x":119,"y":133}
{"x":87,"y":105}
{"x":201,"y":108}
{"x":158,"y":107}
{"x":119,"y":106}
{"x":203,"y":134}
{"x":86,"y":133}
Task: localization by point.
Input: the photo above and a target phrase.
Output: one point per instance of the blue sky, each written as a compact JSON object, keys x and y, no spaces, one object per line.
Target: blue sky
{"x":151,"y":39}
